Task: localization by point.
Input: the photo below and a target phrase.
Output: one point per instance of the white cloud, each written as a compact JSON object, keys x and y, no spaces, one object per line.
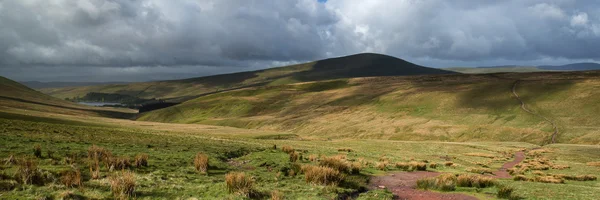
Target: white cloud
{"x":580,"y":19}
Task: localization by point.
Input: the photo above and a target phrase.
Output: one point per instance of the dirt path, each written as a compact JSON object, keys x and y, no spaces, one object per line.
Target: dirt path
{"x":502,"y":173}
{"x":403,"y":186}
{"x":524,"y":107}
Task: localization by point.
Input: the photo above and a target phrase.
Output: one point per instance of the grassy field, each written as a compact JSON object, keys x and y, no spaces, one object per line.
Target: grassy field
{"x":170,"y":173}
{"x":314,"y":140}
{"x":360,"y":65}
{"x":442,"y":108}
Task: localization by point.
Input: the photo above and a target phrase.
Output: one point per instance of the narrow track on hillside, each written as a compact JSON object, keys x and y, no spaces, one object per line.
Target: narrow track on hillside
{"x":524,"y":108}
{"x":503,"y":171}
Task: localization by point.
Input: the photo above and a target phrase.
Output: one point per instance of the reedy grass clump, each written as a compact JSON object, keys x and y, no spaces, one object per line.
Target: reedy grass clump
{"x":417,"y":166}
{"x":382,"y":165}
{"x":444,"y":182}
{"x":239,"y":183}
{"x":287,"y":149}
{"x":141,"y":160}
{"x":123,"y":185}
{"x":201,"y":162}
{"x":480,"y":170}
{"x":37,"y":151}
{"x":294,"y":156}
{"x":548,"y":179}
{"x":594,"y":164}
{"x":345,"y":149}
{"x":277,"y":195}
{"x":466,"y":180}
{"x":505,"y":192}
{"x":71,"y":178}
{"x":335,"y":163}
{"x":322,"y":175}
{"x":27,"y":171}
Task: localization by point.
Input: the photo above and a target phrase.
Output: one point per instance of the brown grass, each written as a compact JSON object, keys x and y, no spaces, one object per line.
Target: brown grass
{"x":335,"y":163}
{"x":418,"y":166}
{"x":322,"y":175}
{"x":444,"y":182}
{"x":484,"y":155}
{"x":402,"y":165}
{"x":27,"y":171}
{"x":287,"y":149}
{"x":71,"y":178}
{"x":480,"y":170}
{"x":239,"y":183}
{"x":277,"y":195}
{"x":466,"y":180}
{"x":593,"y":164}
{"x":345,"y":149}
{"x":141,"y":160}
{"x":433,"y":165}
{"x":521,"y":178}
{"x":201,"y":162}
{"x":312,"y":157}
{"x":123,"y":185}
{"x":294,"y":156}
{"x":449,"y":164}
{"x":548,"y":179}
{"x":382,"y":165}
{"x":355,"y":167}
{"x":505,"y":192}
{"x":10,"y":160}
{"x":576,"y":177}
{"x":37,"y":151}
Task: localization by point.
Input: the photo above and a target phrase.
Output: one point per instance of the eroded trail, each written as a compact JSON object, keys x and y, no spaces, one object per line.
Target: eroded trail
{"x":524,"y":108}
{"x":403,"y":186}
{"x":502,"y":173}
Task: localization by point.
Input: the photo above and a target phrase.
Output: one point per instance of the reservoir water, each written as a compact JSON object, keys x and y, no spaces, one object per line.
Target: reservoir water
{"x":100,"y":103}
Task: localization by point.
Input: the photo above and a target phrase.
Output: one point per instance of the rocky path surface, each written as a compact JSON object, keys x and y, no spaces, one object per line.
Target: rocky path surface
{"x":502,"y":172}
{"x":524,"y":108}
{"x":403,"y":184}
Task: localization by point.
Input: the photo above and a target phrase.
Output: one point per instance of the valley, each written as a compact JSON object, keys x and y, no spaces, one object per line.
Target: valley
{"x":325,"y":135}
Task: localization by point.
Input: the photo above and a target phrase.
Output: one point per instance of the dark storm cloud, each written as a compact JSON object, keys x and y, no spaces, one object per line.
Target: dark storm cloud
{"x":143,"y":39}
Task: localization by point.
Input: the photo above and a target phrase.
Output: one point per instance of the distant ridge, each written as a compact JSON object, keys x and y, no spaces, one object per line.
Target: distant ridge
{"x":359,"y":65}
{"x":573,"y":67}
{"x":53,"y":84}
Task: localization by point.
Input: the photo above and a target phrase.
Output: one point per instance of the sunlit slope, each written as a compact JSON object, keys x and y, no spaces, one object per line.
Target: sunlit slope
{"x":360,"y":65}
{"x":14,"y":97}
{"x":447,"y":108}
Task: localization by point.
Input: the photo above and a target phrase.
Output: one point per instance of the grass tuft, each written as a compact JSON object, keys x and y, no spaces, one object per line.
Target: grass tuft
{"x":123,"y":185}
{"x":287,"y":149}
{"x":239,"y":183}
{"x":201,"y":162}
{"x":37,"y":151}
{"x":141,"y":160}
{"x":322,"y":175}
{"x":335,"y":163}
{"x":71,"y":178}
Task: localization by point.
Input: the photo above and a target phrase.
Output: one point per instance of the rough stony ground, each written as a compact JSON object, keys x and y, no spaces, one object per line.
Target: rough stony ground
{"x":403,"y":184}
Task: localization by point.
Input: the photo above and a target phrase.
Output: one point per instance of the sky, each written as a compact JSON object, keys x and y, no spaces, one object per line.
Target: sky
{"x":142,"y":40}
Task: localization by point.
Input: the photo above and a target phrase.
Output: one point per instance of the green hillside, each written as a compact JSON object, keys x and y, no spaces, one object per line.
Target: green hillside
{"x":360,"y":65}
{"x":18,"y":98}
{"x":444,"y":108}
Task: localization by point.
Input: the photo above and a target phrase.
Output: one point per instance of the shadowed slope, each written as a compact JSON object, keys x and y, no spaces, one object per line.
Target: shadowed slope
{"x":360,"y":65}
{"x":442,"y":107}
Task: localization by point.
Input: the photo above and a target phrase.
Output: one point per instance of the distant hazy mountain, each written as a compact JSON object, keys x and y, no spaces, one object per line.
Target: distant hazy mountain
{"x":39,"y":85}
{"x":573,"y":67}
{"x":517,"y":68}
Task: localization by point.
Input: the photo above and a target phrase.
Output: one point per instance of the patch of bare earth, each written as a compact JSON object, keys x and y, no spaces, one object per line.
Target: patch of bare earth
{"x":502,"y":173}
{"x":403,"y":186}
